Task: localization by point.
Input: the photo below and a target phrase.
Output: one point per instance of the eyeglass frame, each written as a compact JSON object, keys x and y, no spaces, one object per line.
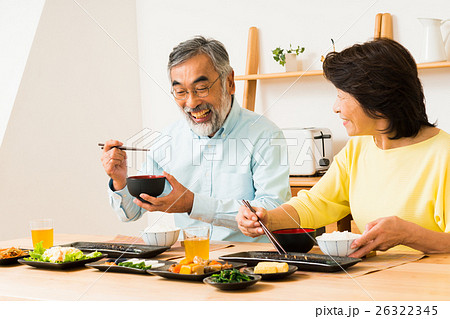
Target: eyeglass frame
{"x":195,"y":91}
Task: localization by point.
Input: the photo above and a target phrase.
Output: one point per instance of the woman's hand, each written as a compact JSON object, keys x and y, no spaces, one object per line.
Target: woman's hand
{"x":248,"y":222}
{"x":382,"y":234}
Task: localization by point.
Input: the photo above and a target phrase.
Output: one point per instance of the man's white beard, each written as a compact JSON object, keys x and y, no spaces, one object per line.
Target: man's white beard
{"x":218,"y":117}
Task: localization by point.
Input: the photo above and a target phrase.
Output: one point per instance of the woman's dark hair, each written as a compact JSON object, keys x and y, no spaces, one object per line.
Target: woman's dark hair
{"x":382,"y":76}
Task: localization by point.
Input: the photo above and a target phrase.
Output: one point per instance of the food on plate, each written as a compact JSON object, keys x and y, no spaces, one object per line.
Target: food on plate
{"x":141,"y":263}
{"x":59,"y":254}
{"x":12,"y":253}
{"x":270,"y":267}
{"x":230,"y":276}
{"x":197,"y":266}
{"x":136,"y":263}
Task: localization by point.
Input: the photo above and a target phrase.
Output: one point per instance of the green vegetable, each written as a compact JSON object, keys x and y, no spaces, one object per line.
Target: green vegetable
{"x":38,"y":252}
{"x":230,"y":276}
{"x":140,"y":265}
{"x":74,"y":256}
{"x":93,"y":254}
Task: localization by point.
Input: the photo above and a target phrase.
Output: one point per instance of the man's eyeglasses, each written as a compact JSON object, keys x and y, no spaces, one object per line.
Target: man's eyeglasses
{"x":200,"y":91}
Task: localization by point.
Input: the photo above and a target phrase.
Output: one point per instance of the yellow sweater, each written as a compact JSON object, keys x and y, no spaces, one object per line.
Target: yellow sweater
{"x":411,"y":182}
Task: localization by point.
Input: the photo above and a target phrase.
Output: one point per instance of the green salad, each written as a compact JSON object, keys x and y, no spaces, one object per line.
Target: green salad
{"x":59,"y":254}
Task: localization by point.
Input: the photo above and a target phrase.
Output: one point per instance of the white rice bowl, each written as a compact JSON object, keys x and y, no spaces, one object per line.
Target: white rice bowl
{"x":337,"y":243}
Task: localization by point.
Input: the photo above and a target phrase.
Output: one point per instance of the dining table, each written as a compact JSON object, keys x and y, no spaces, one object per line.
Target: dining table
{"x":388,"y":276}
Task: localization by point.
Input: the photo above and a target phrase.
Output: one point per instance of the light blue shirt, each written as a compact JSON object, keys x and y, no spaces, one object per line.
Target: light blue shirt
{"x":245,"y":159}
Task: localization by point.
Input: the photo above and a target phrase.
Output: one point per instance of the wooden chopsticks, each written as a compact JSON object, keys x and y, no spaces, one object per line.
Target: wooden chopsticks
{"x":268,"y":233}
{"x":125,"y":148}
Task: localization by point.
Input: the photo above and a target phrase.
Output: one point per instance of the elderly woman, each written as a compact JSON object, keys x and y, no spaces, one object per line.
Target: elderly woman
{"x":394,"y":175}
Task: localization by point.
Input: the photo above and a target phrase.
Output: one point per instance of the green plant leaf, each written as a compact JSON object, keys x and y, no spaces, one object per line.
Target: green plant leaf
{"x":280,"y":57}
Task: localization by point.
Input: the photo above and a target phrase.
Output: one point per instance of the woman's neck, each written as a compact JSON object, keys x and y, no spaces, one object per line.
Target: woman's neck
{"x":383,"y":142}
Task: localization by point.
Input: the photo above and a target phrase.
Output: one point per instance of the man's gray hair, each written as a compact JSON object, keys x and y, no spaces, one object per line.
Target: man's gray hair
{"x":201,"y":45}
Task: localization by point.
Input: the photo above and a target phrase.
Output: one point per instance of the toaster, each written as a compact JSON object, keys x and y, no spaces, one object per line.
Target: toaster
{"x":310,"y":150}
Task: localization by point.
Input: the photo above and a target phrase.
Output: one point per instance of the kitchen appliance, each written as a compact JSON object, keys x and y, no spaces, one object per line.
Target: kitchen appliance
{"x":310,"y":150}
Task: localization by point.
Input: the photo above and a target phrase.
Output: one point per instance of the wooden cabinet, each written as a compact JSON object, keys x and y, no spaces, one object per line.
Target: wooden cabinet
{"x":299,"y":183}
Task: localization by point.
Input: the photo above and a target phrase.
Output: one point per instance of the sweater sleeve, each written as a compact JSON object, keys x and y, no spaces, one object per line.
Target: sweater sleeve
{"x":328,"y":201}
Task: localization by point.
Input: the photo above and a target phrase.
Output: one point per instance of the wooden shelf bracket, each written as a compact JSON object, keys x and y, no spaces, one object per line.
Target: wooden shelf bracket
{"x":251,"y":68}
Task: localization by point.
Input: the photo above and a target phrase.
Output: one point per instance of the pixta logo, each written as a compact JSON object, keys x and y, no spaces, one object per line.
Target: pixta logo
{"x":158,"y":146}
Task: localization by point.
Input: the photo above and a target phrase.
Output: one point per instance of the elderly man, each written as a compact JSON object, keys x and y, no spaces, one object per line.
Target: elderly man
{"x":219,"y":153}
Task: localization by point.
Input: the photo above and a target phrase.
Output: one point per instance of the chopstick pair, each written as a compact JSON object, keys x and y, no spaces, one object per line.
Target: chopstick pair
{"x":266,"y":230}
{"x":125,"y":148}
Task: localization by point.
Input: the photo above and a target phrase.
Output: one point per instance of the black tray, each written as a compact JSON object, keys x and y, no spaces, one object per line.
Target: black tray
{"x":164,"y":272}
{"x":122,"y":269}
{"x":119,"y":250}
{"x":59,"y":266}
{"x":308,"y":262}
{"x":13,"y":260}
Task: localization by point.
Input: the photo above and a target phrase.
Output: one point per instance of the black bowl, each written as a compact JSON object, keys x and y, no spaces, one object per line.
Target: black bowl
{"x":299,"y":240}
{"x":152,"y":185}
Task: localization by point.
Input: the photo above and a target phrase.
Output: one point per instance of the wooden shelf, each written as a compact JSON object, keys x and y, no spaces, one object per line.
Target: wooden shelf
{"x":277,"y":75}
{"x":432,"y":65}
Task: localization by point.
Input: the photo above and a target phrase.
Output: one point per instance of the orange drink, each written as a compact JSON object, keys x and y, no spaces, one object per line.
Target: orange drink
{"x":196,"y":242}
{"x":196,"y":247}
{"x":42,"y":230}
{"x":45,"y":235}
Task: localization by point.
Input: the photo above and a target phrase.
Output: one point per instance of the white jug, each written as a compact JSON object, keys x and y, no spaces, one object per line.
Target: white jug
{"x":433,"y":49}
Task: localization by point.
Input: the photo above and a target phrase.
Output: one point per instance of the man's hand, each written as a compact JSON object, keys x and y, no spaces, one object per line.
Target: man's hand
{"x":115,"y":163}
{"x":179,"y":200}
{"x":248,"y":223}
{"x":382,"y":234}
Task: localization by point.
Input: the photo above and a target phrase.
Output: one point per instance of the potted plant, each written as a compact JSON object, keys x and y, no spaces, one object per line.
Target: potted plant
{"x":288,"y":58}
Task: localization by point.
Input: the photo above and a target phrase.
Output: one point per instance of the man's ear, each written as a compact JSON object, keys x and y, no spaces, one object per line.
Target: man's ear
{"x":231,"y":86}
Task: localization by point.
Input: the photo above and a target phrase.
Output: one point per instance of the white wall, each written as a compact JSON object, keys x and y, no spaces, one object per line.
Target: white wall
{"x":162,"y":25}
{"x":18,"y":23}
{"x":78,"y":88}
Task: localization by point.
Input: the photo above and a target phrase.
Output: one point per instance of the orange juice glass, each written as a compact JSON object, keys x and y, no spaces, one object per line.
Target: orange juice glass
{"x":196,"y":242}
{"x":42,"y":230}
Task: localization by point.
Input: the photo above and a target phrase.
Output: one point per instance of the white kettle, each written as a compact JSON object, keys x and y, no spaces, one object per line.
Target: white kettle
{"x":434,"y":48}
